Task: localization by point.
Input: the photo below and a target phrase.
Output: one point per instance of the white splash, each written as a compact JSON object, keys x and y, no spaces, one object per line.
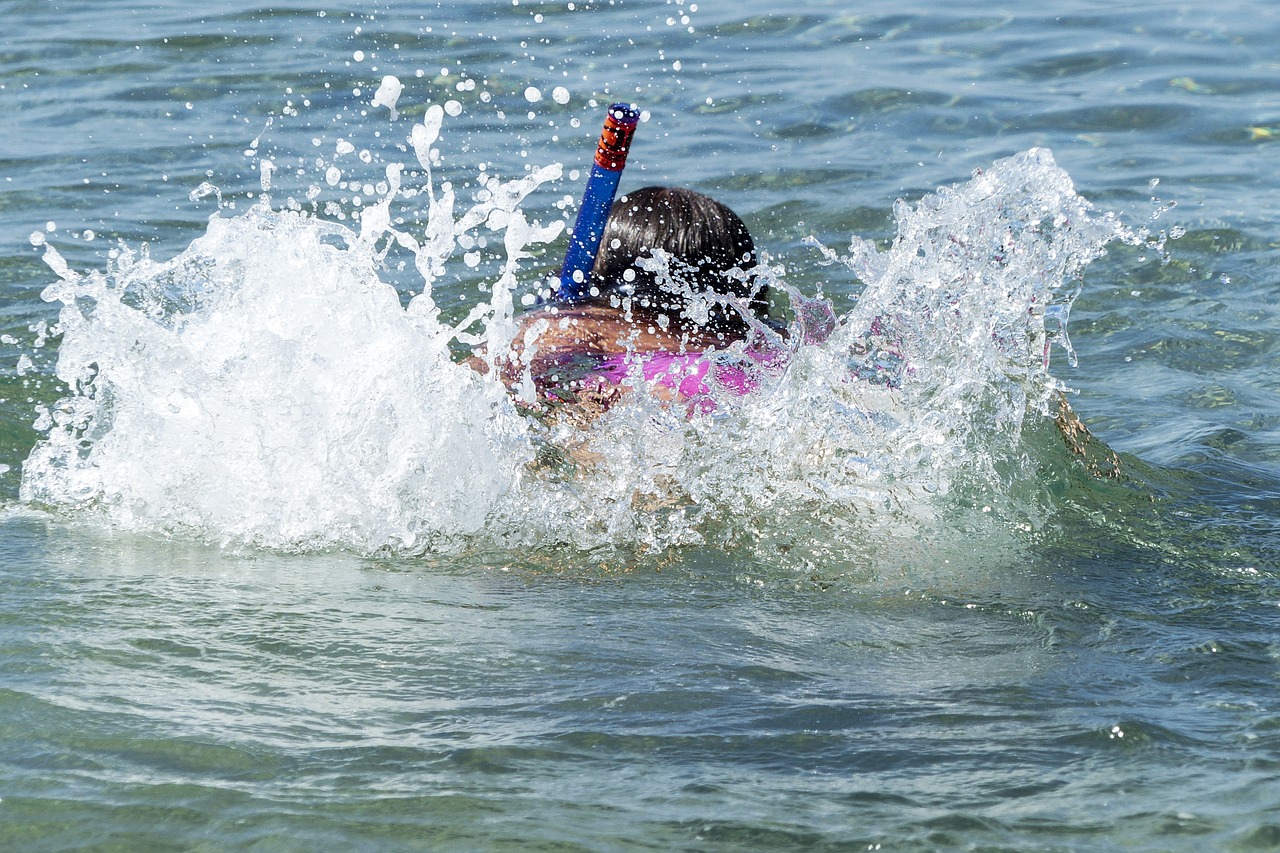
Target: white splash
{"x":913,"y":407}
{"x":267,"y":387}
{"x":388,"y":94}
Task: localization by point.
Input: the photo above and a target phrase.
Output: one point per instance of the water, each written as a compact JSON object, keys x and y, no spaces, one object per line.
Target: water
{"x":279,"y":575}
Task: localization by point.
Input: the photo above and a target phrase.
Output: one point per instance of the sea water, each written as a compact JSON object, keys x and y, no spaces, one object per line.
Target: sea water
{"x":282,"y":574}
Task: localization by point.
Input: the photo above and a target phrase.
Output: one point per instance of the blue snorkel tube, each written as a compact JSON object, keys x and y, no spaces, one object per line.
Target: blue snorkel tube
{"x":597,"y":199}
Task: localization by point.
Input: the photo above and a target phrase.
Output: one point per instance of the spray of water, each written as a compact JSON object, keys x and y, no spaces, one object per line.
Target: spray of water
{"x":906,"y":415}
{"x":267,"y":387}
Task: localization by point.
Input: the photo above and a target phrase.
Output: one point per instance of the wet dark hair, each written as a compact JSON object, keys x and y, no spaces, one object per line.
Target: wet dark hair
{"x":704,"y":240}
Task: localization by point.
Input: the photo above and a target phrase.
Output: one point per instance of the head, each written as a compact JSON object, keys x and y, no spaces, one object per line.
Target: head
{"x":710,"y":253}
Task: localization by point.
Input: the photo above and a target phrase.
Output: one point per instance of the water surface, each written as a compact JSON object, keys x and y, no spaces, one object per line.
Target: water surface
{"x":973,"y":644}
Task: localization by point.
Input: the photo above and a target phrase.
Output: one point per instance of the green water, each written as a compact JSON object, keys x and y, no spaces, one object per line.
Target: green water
{"x":1091,"y":665}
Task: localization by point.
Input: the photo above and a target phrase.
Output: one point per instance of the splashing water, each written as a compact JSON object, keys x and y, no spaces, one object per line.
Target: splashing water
{"x":388,"y":94}
{"x":908,"y":409}
{"x":266,"y":387}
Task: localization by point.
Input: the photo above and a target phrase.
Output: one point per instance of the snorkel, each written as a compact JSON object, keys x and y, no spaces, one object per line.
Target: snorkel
{"x":597,"y":199}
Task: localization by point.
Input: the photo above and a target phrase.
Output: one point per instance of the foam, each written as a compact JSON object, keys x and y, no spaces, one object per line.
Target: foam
{"x":267,"y":387}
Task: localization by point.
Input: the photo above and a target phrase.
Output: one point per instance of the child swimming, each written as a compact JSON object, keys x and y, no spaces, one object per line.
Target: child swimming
{"x":674,"y":305}
{"x":672,"y":286}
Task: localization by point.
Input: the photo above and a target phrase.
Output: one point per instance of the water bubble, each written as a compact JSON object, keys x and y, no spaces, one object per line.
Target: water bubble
{"x":388,"y":93}
{"x":424,"y":135}
{"x":358,"y":56}
{"x":560,"y":95}
{"x":452,"y":108}
{"x":533,"y":94}
{"x":205,"y":189}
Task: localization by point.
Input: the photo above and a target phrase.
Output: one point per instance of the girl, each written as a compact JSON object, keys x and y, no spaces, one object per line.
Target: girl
{"x":672,"y":287}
